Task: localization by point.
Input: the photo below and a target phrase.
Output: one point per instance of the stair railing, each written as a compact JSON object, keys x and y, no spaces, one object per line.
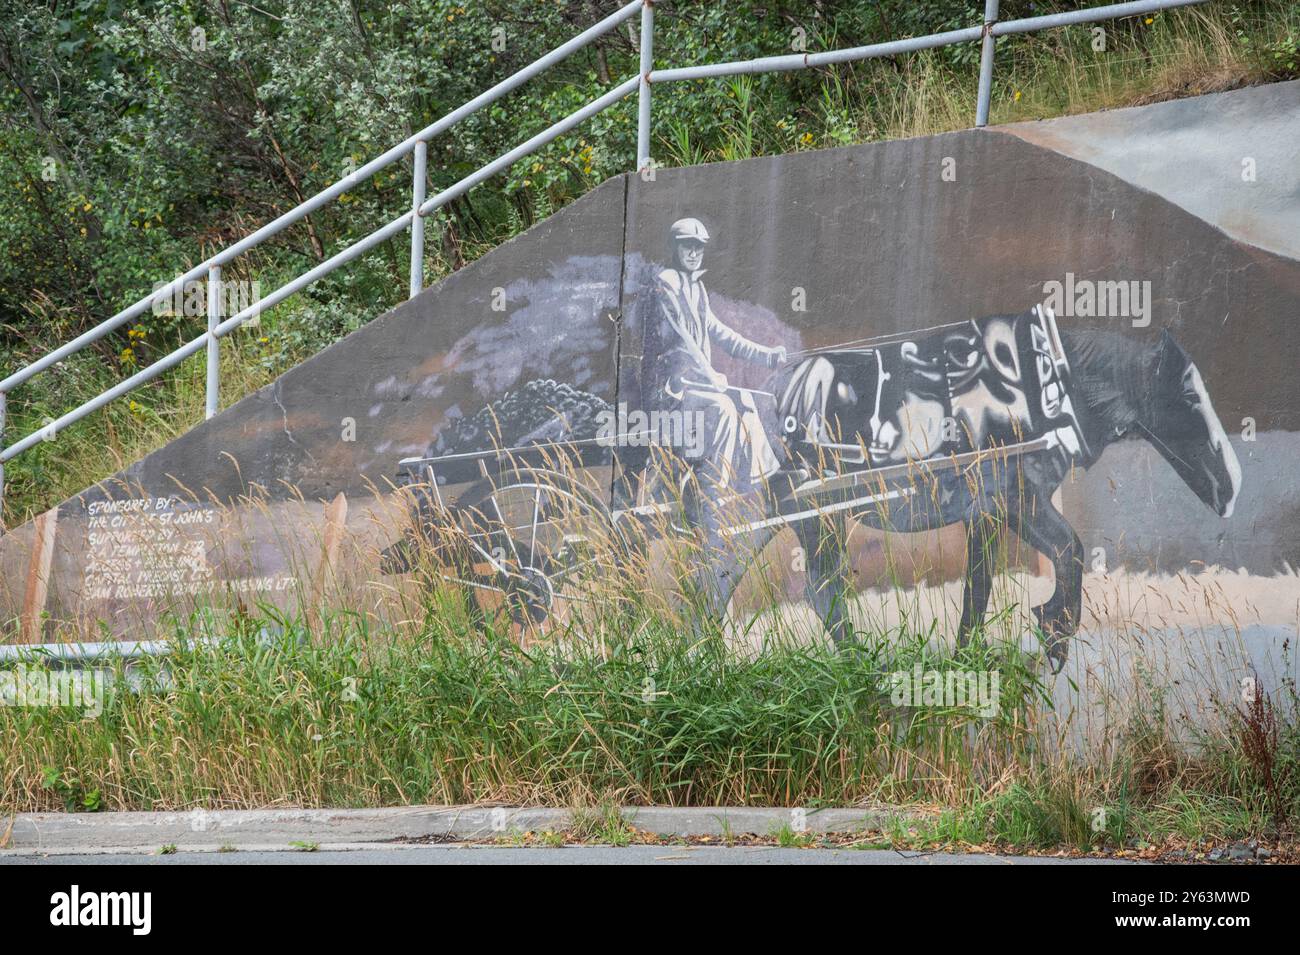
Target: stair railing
{"x":422,"y":206}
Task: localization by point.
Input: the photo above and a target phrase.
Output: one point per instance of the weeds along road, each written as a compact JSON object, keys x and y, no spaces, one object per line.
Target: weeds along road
{"x":569,"y":855}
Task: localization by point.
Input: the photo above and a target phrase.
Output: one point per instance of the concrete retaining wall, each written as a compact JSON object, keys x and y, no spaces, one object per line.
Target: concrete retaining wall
{"x":1195,"y":202}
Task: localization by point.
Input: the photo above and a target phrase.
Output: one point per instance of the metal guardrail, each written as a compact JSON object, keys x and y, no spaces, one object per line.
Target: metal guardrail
{"x":421,"y":207}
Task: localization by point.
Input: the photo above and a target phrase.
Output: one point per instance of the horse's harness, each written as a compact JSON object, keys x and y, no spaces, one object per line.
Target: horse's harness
{"x":1001,"y":382}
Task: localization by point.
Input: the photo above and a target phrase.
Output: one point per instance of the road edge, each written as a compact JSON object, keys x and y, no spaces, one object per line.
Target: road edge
{"x":37,"y":832}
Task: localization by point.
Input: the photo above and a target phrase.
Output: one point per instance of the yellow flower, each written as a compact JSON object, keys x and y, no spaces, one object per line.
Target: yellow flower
{"x":1150,"y":20}
{"x":1017,"y":96}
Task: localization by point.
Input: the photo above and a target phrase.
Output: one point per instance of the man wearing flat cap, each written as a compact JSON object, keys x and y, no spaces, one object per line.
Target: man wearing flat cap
{"x":681,"y":332}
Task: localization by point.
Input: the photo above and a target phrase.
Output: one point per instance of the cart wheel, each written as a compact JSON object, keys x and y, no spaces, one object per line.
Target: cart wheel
{"x":539,"y":539}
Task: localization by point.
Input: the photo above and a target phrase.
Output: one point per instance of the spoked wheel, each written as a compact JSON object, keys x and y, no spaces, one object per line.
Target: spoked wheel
{"x":538,"y":541}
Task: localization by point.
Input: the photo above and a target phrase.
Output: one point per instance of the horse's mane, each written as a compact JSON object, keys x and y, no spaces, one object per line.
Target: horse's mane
{"x":1110,"y":380}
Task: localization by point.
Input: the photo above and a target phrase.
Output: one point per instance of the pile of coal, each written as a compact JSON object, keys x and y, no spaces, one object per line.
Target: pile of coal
{"x":543,"y":411}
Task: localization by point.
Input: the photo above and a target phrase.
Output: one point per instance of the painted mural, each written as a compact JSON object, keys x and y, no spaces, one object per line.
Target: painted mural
{"x":953,"y":396}
{"x":974,"y":423}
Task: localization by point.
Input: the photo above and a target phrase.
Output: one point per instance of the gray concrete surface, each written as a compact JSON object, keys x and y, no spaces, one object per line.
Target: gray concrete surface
{"x":147,"y":831}
{"x":570,"y":855}
{"x":1216,"y":139}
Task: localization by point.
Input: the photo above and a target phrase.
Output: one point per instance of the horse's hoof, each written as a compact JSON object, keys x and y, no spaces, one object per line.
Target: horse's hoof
{"x":1058,"y":652}
{"x":1055,"y":635}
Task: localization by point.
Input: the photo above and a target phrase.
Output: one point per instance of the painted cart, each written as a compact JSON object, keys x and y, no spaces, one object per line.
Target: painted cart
{"x":861,"y":424}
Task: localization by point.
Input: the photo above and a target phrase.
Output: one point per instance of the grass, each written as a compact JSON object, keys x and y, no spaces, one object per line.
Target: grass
{"x":554,"y":729}
{"x":602,"y":823}
{"x":628,"y":698}
{"x":787,"y":837}
{"x":348,"y":715}
{"x":1167,"y":55}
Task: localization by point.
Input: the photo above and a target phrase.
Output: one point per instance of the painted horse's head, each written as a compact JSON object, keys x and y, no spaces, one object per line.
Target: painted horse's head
{"x":1179,"y":421}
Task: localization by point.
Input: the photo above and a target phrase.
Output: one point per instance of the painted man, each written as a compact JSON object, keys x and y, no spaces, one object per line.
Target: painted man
{"x":681,"y":333}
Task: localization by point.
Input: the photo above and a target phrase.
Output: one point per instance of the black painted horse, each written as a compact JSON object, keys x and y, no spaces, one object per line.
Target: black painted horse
{"x":1056,"y":399}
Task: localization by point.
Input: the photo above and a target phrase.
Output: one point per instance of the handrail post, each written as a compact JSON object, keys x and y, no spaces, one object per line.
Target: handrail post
{"x":214,"y":344}
{"x":986,"y":64}
{"x":418,"y":187}
{"x":643,"y":103}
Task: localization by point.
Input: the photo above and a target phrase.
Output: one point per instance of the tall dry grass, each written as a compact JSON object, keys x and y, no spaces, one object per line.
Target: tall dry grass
{"x":400,"y":689}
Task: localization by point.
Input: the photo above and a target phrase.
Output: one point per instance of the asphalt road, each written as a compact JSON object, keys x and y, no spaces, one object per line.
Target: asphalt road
{"x":570,"y":855}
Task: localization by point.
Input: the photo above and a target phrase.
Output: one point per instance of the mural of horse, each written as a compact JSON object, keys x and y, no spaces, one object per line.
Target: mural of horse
{"x":992,"y":382}
{"x":974,"y":423}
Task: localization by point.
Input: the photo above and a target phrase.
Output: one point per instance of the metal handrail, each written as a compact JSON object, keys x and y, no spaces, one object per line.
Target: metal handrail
{"x":421,"y":206}
{"x":308,"y":206}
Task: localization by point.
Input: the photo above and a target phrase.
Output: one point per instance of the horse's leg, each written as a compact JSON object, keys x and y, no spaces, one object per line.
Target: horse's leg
{"x":829,"y":585}
{"x":725,"y":556}
{"x":1043,"y":527}
{"x":981,"y":538}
